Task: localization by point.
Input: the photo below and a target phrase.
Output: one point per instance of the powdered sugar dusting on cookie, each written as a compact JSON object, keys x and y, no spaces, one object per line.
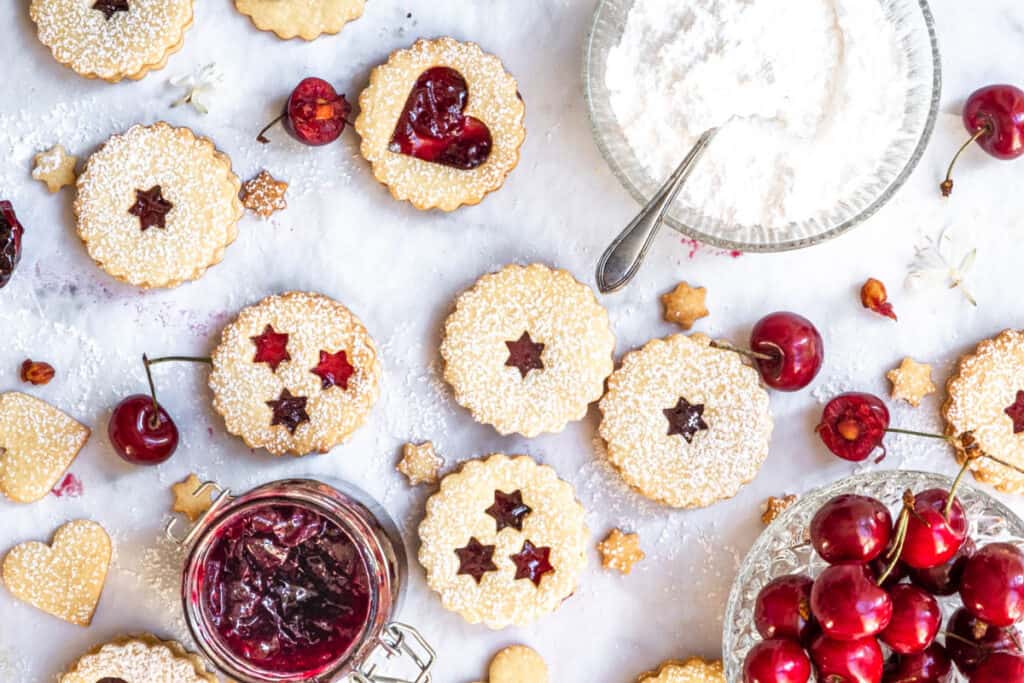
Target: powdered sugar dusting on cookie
{"x":139,"y":659}
{"x":693,"y":670}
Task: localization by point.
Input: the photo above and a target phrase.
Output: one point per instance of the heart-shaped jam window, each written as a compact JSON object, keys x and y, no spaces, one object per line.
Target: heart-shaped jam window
{"x":434,"y":126}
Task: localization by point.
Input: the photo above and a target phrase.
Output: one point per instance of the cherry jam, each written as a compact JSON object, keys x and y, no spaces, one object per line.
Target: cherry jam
{"x":286,"y":589}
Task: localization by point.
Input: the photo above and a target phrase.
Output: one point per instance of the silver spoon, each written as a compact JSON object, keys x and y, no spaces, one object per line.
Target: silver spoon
{"x":622,"y":259}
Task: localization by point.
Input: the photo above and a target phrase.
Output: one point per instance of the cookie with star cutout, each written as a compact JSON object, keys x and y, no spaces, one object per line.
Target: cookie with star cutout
{"x":685,"y":423}
{"x":296,"y":373}
{"x":527,"y":349}
{"x":985,"y":397}
{"x":157,"y":206}
{"x":504,"y":541}
{"x":112,"y":39}
{"x":441,"y":124}
{"x":138,"y":658}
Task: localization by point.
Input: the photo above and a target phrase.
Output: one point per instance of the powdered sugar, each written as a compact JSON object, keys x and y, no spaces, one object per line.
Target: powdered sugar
{"x":806,"y":93}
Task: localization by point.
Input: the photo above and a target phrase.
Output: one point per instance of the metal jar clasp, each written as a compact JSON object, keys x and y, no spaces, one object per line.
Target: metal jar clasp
{"x":400,"y":641}
{"x":223,"y":497}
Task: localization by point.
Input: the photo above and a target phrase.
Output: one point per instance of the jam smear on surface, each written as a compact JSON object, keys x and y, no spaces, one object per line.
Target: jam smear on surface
{"x":434,"y":127}
{"x":286,"y":589}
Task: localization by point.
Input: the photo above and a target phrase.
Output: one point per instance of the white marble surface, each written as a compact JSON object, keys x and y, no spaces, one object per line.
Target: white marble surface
{"x":399,"y":270}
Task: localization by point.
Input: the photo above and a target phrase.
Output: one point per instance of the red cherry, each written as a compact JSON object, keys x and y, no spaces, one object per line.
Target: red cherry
{"x":945,"y":578}
{"x":916,"y":618}
{"x":794,"y":346}
{"x":971,"y":640}
{"x":853,"y":425}
{"x":994,"y":116}
{"x":848,"y":604}
{"x":315,"y":113}
{"x":776,"y":661}
{"x":1002,"y":667}
{"x":847,"y":661}
{"x":933,"y":540}
{"x":11,"y":234}
{"x":140,"y":433}
{"x":992,"y":586}
{"x":930,"y":666}
{"x":783,"y":609}
{"x":851,"y":528}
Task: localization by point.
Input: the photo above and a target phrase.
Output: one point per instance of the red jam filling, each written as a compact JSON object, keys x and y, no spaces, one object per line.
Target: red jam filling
{"x":286,"y":590}
{"x":434,"y":127}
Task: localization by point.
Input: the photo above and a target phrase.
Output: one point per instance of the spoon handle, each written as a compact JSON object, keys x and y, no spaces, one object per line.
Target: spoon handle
{"x":622,"y":259}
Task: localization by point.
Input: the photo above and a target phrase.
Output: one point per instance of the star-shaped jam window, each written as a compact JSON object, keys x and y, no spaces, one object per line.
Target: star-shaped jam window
{"x":476,"y":559}
{"x":333,"y":369}
{"x":271,"y":348}
{"x":524,"y":355}
{"x":685,"y":419}
{"x":110,"y":7}
{"x":1016,"y":413}
{"x":532,"y":562}
{"x":151,"y":208}
{"x":509,"y":510}
{"x":289,"y":410}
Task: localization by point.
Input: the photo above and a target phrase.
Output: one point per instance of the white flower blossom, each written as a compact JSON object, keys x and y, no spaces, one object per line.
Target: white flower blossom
{"x":198,"y":87}
{"x":944,"y":262}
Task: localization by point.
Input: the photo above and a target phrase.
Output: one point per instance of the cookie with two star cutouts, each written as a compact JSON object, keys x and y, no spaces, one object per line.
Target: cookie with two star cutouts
{"x":986,"y":399}
{"x":112,"y":39}
{"x":503,"y":541}
{"x":527,"y":349}
{"x":142,"y":658}
{"x":306,"y":19}
{"x":296,"y":373}
{"x":686,"y":424}
{"x":441,"y":124}
{"x":157,"y":206}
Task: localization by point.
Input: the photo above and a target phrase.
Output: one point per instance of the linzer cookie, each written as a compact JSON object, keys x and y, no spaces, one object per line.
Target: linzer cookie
{"x":693,"y":670}
{"x":527,"y":349}
{"x":504,"y":541}
{"x":306,"y":19}
{"x":65,"y":578}
{"x":157,"y":206}
{"x":441,"y":123}
{"x":296,"y":373}
{"x":986,"y":399}
{"x":37,"y":445}
{"x":112,"y":39}
{"x":142,"y":659}
{"x":686,"y":424}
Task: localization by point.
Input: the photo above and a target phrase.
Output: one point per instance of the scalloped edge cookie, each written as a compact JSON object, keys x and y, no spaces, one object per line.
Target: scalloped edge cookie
{"x":297,"y":21}
{"x":692,"y":670}
{"x":80,"y":672}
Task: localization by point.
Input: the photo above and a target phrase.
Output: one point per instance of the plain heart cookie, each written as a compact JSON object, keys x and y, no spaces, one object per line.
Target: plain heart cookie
{"x":37,"y":445}
{"x":65,"y":578}
{"x":138,"y":659}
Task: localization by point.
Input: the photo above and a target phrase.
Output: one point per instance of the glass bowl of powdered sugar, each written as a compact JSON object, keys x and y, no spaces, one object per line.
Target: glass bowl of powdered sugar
{"x":824,"y":108}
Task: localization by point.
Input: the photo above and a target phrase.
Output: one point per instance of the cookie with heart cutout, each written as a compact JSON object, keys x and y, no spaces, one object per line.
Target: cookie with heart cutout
{"x":441,"y":123}
{"x":157,"y":206}
{"x":527,"y":349}
{"x":37,"y":445}
{"x":65,"y":578}
{"x":985,"y":398}
{"x":112,"y":39}
{"x":296,"y":373}
{"x":306,"y":19}
{"x":143,"y":658}
{"x":693,"y":670}
{"x":685,"y":423}
{"x":504,"y":541}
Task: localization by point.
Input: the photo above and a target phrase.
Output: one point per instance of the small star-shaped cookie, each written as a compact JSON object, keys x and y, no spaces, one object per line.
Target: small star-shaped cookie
{"x":911,"y":381}
{"x":55,"y":167}
{"x":620,"y":551}
{"x":775,"y":507}
{"x":684,"y":305}
{"x":420,"y":463}
{"x":188,"y":500}
{"x":264,"y":195}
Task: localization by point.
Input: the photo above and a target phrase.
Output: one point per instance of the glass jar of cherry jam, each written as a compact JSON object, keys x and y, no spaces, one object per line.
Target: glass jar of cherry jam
{"x":299,"y":580}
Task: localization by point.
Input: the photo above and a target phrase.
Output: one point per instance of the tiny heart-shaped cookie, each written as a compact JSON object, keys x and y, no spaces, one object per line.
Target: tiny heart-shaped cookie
{"x":434,"y":126}
{"x":65,"y":578}
{"x":518,"y":664}
{"x":37,"y":445}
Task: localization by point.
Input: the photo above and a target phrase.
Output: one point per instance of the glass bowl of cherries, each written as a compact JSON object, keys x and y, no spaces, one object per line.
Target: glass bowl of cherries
{"x":884,"y":577}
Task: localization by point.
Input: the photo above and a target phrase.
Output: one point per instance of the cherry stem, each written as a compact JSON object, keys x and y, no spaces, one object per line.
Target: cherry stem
{"x":911,"y":432}
{"x":901,"y":537}
{"x":154,"y":421}
{"x":952,"y":489}
{"x":262,"y":137}
{"x":726,"y":346}
{"x":947,"y":184}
